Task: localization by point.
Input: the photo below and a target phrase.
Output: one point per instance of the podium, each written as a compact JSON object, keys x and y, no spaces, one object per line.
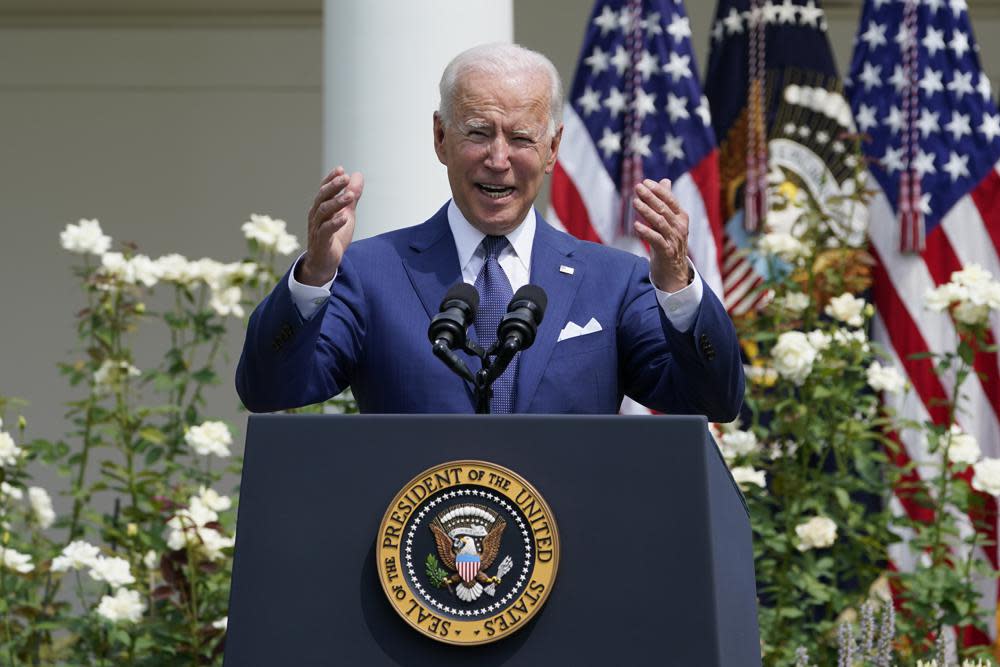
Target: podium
{"x":656,"y":566}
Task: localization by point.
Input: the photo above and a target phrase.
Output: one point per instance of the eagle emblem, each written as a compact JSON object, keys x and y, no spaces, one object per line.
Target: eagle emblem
{"x":468,"y":540}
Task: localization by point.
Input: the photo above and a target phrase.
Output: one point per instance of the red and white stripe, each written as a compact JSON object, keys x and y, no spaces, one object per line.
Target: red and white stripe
{"x":586,"y":203}
{"x":468,"y":570}
{"x":740,"y":282}
{"x":969,"y":233}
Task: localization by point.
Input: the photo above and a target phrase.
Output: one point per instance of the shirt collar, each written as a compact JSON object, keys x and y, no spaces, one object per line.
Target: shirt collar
{"x":468,"y":238}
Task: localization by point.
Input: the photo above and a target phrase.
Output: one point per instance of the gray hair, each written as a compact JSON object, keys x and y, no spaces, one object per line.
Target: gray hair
{"x":500,"y":59}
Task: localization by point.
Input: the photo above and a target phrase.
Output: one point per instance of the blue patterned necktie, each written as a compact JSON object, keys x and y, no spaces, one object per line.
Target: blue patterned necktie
{"x":494,"y":296}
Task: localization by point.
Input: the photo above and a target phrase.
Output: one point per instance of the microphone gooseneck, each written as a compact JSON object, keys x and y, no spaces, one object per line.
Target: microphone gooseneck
{"x":447,"y":331}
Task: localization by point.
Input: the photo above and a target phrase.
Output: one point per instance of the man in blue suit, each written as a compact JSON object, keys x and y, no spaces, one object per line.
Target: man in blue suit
{"x":356,"y":314}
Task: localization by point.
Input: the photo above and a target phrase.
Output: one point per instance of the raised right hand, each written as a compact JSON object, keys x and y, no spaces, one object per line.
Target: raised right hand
{"x":331,"y":226}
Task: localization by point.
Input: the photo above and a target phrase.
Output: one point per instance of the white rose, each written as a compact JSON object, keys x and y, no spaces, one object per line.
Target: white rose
{"x":818,"y":532}
{"x":794,"y":302}
{"x":744,"y":475}
{"x":213,"y":273}
{"x":846,"y":308}
{"x":211,"y":499}
{"x":212,"y":542}
{"x":9,"y":451}
{"x":819,"y":339}
{"x":85,"y":237}
{"x":785,"y":246}
{"x":113,"y":570}
{"x":971,"y":275}
{"x":12,"y":492}
{"x":41,"y":505}
{"x":124,"y":605}
{"x":940,"y":298}
{"x":227,"y":301}
{"x":848,"y":337}
{"x":141,"y":269}
{"x":986,"y":476}
{"x":76,"y":556}
{"x":175,"y":268}
{"x":971,"y":313}
{"x":15,"y":560}
{"x":793,"y":356}
{"x":738,"y":443}
{"x":963,"y":448}
{"x":111,"y":372}
{"x":211,"y":437}
{"x":885,"y":378}
{"x":221,"y":624}
{"x":270,"y":233}
{"x":151,"y":560}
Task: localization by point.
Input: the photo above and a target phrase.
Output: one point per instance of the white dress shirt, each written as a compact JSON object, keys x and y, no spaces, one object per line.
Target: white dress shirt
{"x":680,"y":307}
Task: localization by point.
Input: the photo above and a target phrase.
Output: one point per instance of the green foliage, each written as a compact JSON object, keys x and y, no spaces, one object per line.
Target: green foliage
{"x":435,"y":572}
{"x":826,"y":446}
{"x":130,"y":447}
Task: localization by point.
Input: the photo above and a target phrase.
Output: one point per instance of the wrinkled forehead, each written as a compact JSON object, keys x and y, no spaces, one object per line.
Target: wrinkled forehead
{"x":522,"y":94}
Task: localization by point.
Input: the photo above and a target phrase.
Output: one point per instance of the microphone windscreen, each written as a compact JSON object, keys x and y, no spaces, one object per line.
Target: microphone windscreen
{"x":535,"y":295}
{"x":463,"y":292}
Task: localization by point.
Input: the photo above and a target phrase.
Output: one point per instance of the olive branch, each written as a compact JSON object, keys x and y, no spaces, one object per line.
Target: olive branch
{"x":435,"y":572}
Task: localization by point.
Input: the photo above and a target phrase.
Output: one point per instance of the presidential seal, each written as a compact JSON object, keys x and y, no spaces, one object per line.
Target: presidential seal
{"x":467,"y":552}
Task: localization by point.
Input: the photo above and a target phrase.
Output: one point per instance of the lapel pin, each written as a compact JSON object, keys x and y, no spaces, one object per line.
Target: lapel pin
{"x":568,"y":270}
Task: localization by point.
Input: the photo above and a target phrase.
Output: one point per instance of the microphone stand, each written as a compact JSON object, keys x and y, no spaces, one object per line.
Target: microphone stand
{"x":482,"y":380}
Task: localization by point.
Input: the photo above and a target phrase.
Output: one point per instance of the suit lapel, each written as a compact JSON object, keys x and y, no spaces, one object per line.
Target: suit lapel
{"x":432,"y":266}
{"x":551,"y":250}
{"x":432,"y":263}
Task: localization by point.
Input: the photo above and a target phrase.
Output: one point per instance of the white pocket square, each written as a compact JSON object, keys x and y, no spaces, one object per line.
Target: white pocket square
{"x":572,"y":329}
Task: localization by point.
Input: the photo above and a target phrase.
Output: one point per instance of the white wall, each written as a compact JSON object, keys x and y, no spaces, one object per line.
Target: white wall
{"x":170,"y":135}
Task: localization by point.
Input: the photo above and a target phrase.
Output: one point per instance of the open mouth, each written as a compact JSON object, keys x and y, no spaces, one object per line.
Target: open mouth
{"x":495,"y":191}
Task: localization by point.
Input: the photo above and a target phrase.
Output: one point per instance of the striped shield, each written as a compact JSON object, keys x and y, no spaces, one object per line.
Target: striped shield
{"x":468,"y":566}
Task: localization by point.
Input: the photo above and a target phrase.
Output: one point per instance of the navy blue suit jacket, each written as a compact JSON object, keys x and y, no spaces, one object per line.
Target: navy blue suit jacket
{"x":372,"y":335}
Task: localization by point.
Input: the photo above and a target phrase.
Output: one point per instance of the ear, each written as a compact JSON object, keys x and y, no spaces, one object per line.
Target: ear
{"x":439,"y":138}
{"x":550,"y":164}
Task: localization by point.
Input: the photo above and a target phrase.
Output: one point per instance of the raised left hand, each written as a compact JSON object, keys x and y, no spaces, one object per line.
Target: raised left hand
{"x":663,"y":224}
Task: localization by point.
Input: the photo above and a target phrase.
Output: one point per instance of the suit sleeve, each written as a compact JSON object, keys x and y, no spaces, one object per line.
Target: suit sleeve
{"x":698,"y":371}
{"x":287,"y":361}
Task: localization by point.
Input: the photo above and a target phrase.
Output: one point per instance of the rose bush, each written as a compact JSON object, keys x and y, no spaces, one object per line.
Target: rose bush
{"x":145,"y":580}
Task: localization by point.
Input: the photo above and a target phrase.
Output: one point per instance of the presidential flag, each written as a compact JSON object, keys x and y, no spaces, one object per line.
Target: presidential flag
{"x":635,"y":110}
{"x":918,"y":92}
{"x":781,"y":119}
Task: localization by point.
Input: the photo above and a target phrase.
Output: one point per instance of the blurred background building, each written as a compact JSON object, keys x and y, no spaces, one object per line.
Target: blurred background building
{"x":171,"y":121}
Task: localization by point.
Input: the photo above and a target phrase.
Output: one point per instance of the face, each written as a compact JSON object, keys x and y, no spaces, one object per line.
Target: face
{"x":497,"y":148}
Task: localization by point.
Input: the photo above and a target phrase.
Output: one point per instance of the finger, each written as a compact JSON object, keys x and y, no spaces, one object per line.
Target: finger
{"x":651,"y":220}
{"x":657,"y":244}
{"x":356,"y":185}
{"x":328,"y":191}
{"x":665,"y":193}
{"x":654,"y":211}
{"x":331,"y":206}
{"x":665,"y":205}
{"x":336,"y":171}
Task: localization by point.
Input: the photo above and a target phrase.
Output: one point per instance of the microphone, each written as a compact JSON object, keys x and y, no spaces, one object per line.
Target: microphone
{"x":518,"y":327}
{"x":448,"y":327}
{"x":458,"y":309}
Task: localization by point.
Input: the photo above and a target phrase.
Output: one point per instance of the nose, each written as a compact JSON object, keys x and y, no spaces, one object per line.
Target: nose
{"x":498,"y":157}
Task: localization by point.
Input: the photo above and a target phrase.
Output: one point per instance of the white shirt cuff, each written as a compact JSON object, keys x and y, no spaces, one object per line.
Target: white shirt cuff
{"x":681,"y":306}
{"x":309,"y":298}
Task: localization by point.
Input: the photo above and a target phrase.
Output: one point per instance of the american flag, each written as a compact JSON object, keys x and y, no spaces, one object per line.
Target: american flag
{"x":636,"y":110}
{"x":947,"y":138}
